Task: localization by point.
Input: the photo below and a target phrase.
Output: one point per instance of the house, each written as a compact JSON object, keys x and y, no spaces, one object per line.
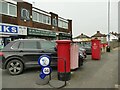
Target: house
{"x":82,"y":38}
{"x":100,"y":36}
{"x":113,"y":36}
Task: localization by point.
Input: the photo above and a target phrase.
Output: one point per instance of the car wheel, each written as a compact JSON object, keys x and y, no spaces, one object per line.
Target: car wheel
{"x":15,"y":67}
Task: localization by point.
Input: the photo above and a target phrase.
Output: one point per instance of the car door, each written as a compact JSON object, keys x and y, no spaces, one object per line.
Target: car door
{"x":29,"y":51}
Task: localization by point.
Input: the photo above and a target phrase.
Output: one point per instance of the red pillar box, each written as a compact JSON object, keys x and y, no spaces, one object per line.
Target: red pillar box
{"x":96,"y":49}
{"x":63,"y":51}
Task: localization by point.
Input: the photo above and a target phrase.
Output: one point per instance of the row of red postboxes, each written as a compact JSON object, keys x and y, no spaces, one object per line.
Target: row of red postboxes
{"x":63,"y":51}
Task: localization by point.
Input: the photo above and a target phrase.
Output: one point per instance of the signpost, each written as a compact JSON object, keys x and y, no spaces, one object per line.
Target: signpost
{"x":44,"y":62}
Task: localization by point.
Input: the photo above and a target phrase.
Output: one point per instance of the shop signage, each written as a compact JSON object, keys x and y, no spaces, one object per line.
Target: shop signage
{"x":65,"y":34}
{"x":9,"y":29}
{"x":41,"y":32}
{"x":22,"y":30}
{"x":12,"y":29}
{"x":44,"y":62}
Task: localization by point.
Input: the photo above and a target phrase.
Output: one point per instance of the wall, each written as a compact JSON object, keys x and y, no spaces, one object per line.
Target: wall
{"x":114,"y":44}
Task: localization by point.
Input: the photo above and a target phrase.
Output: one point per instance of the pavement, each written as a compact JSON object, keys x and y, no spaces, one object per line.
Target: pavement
{"x":93,"y":74}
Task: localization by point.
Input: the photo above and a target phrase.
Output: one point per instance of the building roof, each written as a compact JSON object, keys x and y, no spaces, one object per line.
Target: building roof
{"x":82,"y":36}
{"x":115,"y":34}
{"x":98,"y":34}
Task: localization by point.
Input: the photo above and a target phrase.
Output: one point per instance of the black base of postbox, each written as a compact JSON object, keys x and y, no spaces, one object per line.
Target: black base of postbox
{"x":64,"y":76}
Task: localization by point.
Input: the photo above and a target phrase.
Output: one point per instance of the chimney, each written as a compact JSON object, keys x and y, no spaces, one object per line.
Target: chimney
{"x":98,"y":31}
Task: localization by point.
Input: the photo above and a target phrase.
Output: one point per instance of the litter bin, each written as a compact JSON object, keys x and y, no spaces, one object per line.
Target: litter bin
{"x":108,"y":49}
{"x":96,"y":49}
{"x":63,"y":51}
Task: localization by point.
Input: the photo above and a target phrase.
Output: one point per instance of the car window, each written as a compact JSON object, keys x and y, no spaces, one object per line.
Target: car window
{"x":28,"y":45}
{"x":15,"y":45}
{"x":47,"y":45}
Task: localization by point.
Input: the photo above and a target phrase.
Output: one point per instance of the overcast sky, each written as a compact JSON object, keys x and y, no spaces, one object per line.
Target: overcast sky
{"x":88,"y":16}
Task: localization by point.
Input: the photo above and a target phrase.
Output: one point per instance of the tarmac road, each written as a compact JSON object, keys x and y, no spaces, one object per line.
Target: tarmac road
{"x":93,"y":74}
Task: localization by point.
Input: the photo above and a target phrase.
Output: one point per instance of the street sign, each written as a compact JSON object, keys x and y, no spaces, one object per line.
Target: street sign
{"x":44,"y":62}
{"x":46,"y":70}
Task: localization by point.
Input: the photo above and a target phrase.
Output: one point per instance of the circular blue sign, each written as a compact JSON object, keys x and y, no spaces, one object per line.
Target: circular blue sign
{"x":44,"y":60}
{"x":46,"y":70}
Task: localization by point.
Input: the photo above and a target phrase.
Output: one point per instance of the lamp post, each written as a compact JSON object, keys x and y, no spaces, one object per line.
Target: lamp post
{"x":108,"y":47}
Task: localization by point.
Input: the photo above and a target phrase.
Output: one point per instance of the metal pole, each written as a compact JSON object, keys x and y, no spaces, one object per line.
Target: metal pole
{"x":108,"y":22}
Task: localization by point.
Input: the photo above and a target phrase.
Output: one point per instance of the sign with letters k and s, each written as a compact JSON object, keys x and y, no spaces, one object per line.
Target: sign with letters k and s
{"x":9,"y":29}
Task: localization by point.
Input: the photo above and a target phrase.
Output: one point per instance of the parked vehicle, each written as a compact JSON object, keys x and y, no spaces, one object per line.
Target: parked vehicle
{"x":21,"y":54}
{"x":88,"y":49}
{"x":85,"y":46}
{"x":83,"y":51}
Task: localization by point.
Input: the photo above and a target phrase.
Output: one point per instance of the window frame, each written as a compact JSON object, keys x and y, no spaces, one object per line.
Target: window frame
{"x":8,"y":11}
{"x":64,"y":24}
{"x":44,"y":18}
{"x":15,"y":10}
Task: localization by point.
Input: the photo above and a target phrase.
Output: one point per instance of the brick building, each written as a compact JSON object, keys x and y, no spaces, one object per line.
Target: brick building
{"x":22,"y":20}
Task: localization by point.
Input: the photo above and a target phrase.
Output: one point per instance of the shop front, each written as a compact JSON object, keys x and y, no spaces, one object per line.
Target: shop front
{"x":64,"y":36}
{"x":41,"y":33}
{"x":10,"y":32}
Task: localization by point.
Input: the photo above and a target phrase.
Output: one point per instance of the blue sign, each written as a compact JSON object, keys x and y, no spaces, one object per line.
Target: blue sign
{"x":9,"y":29}
{"x":44,"y":62}
{"x":45,"y":71}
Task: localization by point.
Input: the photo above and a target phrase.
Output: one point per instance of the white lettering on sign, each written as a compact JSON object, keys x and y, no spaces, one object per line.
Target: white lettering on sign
{"x":0,"y":28}
{"x":9,"y":29}
{"x":6,"y":29}
{"x":13,"y":29}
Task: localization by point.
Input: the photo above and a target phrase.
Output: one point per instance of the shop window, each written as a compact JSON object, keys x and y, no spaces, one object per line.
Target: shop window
{"x":12,"y":10}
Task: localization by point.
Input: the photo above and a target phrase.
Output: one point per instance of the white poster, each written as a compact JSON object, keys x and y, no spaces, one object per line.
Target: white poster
{"x":22,"y":30}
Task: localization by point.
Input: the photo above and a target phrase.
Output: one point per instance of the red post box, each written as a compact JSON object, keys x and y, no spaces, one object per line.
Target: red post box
{"x":96,"y":49}
{"x":63,"y":51}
